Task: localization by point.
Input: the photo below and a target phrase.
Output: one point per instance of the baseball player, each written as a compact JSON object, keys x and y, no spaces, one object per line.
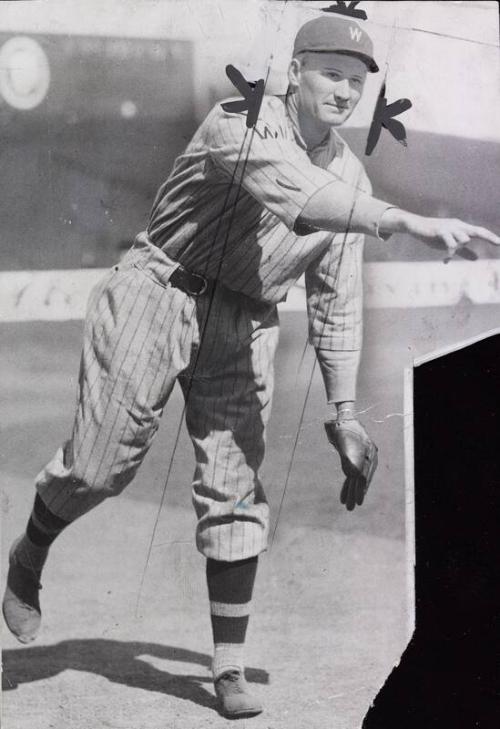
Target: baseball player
{"x":243,"y":214}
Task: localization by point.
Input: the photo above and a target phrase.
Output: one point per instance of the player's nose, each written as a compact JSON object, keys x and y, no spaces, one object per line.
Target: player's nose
{"x":342,"y":90}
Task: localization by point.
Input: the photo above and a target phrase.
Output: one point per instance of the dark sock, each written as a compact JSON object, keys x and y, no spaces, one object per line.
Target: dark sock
{"x":43,"y":526}
{"x":230,"y":588}
{"x":31,"y":548}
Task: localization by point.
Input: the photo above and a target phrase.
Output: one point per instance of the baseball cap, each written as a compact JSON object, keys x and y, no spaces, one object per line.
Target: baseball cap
{"x":335,"y":35}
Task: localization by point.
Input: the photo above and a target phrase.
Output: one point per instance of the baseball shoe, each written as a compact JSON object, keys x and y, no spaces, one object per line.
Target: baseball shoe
{"x":235,"y":700}
{"x":21,"y":605}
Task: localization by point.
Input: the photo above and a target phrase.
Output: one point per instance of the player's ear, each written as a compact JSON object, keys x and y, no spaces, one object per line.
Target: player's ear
{"x":294,"y":73}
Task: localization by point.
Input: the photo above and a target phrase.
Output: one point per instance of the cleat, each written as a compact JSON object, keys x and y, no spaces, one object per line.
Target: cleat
{"x":235,"y":700}
{"x":21,"y":604}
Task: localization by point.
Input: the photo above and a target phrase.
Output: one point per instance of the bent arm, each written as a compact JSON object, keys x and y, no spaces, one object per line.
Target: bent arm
{"x":308,"y":198}
{"x":339,"y":208}
{"x":334,"y":209}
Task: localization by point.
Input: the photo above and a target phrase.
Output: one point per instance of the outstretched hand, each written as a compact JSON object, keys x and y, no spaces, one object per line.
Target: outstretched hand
{"x":450,"y":234}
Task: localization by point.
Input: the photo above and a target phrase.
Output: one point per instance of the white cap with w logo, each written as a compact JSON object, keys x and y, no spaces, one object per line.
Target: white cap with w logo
{"x":334,"y":34}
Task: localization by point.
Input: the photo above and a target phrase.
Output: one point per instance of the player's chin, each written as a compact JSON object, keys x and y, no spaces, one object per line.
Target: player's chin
{"x":335,"y":115}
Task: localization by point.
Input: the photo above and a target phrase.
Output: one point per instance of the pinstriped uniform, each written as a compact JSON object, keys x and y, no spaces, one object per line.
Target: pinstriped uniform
{"x":227,"y":211}
{"x":242,"y":233}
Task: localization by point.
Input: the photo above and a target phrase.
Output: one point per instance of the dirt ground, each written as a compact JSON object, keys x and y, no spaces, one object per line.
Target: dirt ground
{"x":127,"y":644}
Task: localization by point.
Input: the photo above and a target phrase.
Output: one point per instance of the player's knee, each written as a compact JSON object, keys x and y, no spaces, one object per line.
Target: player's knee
{"x":99,"y":485}
{"x":113,"y":483}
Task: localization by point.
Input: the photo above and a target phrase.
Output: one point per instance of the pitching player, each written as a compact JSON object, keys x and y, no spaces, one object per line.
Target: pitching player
{"x":242,"y":215}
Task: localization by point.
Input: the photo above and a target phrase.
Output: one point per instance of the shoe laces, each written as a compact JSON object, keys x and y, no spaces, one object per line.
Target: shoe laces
{"x":233,"y":677}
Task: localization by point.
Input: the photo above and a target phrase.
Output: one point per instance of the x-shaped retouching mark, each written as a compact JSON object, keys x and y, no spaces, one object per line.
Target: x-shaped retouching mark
{"x":252,"y":96}
{"x":341,"y":8}
{"x":383,"y":117}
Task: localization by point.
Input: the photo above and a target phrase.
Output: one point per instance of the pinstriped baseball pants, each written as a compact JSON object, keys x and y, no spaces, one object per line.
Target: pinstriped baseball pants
{"x":141,"y":335}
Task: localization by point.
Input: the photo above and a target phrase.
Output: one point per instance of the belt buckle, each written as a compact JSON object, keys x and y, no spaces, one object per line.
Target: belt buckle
{"x":204,"y":286}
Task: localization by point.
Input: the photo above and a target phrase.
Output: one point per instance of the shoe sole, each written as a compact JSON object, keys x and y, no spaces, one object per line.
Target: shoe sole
{"x":247,"y":714}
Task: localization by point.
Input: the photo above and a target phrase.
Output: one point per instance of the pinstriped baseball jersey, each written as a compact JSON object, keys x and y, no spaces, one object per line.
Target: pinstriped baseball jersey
{"x":228,"y":210}
{"x":230,"y":205}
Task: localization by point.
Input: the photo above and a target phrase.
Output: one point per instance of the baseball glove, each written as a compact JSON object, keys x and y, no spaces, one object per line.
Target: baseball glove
{"x":358,"y":454}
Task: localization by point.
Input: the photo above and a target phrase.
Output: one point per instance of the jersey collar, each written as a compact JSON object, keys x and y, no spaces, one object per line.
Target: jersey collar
{"x":332,"y":138}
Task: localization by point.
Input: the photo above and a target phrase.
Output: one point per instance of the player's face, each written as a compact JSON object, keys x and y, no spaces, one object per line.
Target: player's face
{"x":329,"y":85}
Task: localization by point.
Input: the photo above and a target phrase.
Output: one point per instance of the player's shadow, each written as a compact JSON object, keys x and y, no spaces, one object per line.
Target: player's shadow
{"x":118,"y":661}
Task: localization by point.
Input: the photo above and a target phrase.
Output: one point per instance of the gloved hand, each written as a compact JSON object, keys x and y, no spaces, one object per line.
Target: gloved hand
{"x":359,"y":457}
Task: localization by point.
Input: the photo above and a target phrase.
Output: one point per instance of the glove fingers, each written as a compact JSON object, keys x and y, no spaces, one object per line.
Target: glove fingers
{"x":359,"y":457}
{"x":343,"y":493}
{"x":361,"y":489}
{"x":350,"y":501}
{"x":353,"y":492}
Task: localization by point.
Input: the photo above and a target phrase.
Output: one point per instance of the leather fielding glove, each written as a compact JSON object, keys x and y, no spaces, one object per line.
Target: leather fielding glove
{"x":358,"y":455}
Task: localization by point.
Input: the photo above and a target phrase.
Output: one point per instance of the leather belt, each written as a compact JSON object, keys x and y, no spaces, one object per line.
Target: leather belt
{"x":191,"y":283}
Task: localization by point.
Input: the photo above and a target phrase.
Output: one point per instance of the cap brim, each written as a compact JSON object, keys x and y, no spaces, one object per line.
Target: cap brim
{"x":370,"y":62}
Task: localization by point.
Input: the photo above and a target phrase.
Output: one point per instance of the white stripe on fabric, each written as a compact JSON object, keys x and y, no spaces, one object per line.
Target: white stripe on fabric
{"x":230,"y":610}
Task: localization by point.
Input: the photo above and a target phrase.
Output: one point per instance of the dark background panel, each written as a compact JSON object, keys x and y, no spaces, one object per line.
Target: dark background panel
{"x":449,"y":674}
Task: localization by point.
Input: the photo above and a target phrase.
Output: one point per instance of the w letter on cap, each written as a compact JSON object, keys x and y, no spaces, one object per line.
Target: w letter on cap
{"x":355,"y":33}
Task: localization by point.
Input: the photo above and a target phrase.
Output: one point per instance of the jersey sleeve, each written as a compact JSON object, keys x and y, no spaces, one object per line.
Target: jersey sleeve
{"x":339,"y":368}
{"x":334,"y":289}
{"x":264,"y":161}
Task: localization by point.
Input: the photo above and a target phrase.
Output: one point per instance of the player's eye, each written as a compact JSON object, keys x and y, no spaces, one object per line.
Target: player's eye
{"x":333,"y":75}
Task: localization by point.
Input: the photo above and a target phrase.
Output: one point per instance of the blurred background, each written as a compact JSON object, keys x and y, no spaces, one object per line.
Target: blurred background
{"x":97,"y":99}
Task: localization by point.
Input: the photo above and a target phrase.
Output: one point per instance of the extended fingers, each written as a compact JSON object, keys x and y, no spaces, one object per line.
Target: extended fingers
{"x":450,"y":244}
{"x":348,"y":493}
{"x":461,"y":234}
{"x":343,"y":493}
{"x":353,"y":492}
{"x":351,"y":495}
{"x":361,"y":489}
{"x":476,"y":231}
{"x":461,"y":238}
